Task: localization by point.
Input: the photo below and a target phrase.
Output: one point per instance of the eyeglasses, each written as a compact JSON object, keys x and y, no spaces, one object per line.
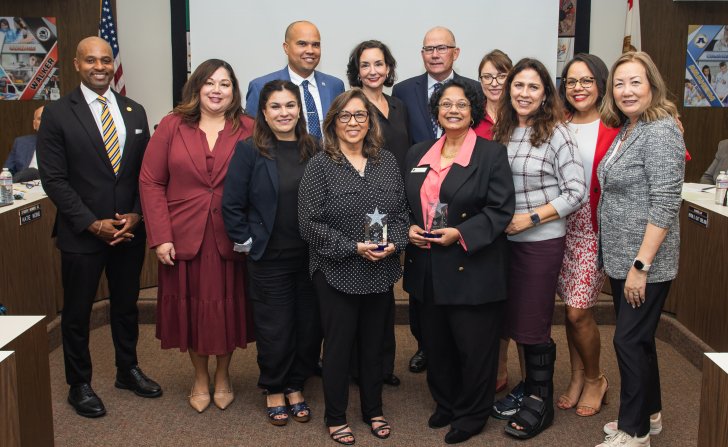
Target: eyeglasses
{"x":488,"y":78}
{"x":585,"y":82}
{"x":360,"y":117}
{"x":441,"y":49}
{"x":449,"y":105}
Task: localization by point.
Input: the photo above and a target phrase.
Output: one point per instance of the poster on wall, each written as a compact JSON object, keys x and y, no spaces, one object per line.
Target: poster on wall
{"x":29,"y":58}
{"x":706,"y":66}
{"x":567,"y":33}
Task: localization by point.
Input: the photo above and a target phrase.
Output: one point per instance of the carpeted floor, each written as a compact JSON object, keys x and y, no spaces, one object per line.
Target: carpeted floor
{"x":169,"y":421}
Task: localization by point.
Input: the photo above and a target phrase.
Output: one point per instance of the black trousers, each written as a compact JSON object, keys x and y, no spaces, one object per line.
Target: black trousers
{"x":80,"y":275}
{"x":634,"y":342}
{"x":462,"y":345}
{"x":414,"y":320}
{"x":350,"y":320}
{"x":286,"y":320}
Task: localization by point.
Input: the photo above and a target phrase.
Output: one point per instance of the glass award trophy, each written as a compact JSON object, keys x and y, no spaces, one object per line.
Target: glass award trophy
{"x":436,"y":219}
{"x":375,"y":229}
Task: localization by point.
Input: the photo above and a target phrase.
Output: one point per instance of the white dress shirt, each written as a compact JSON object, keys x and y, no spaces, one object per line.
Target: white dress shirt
{"x":91,"y":98}
{"x":313,"y":89}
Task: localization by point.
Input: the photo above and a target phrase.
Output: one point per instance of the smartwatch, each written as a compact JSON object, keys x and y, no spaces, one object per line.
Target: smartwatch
{"x":535,"y":219}
{"x":639,"y":265}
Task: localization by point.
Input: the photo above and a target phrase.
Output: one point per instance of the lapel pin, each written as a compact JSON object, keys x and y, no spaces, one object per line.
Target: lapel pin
{"x":323,"y":84}
{"x":128,"y":109}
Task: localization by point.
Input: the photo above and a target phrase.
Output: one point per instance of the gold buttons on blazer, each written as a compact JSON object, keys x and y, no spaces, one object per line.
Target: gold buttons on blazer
{"x":460,"y":269}
{"x":464,"y":215}
{"x":128,"y":109}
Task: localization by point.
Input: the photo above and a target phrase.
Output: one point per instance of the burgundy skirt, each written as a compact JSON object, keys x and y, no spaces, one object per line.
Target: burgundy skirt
{"x":533,"y":273}
{"x":201,"y":303}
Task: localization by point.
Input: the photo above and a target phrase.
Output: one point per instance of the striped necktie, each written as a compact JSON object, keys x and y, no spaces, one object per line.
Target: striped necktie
{"x":433,"y":119}
{"x":111,"y":138}
{"x":312,"y":113}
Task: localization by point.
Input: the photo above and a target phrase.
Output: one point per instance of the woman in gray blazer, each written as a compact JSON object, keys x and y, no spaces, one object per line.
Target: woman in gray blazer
{"x":641,"y":177}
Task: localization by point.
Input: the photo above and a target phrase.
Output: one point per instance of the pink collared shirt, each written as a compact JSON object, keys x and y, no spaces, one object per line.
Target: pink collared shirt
{"x":430,"y":190}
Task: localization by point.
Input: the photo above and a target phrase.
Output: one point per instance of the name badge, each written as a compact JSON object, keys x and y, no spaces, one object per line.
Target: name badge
{"x":419,"y":170}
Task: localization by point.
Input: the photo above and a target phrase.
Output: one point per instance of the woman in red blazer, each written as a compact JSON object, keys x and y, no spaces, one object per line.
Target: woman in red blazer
{"x":200,"y":300}
{"x":583,"y":84}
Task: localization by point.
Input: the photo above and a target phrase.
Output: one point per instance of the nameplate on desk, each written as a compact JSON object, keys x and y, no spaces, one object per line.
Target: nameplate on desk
{"x":698,"y":216}
{"x":28,"y":215}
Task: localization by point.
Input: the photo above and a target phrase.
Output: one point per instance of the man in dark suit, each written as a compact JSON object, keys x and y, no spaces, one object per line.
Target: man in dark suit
{"x":439,"y":52}
{"x":303,"y":47}
{"x":22,"y":155}
{"x":90,"y":149}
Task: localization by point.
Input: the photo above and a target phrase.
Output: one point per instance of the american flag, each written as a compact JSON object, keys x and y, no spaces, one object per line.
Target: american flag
{"x":107,"y":31}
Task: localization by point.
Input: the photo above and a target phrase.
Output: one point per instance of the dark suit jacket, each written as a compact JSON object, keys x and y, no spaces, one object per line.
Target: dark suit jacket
{"x":250,"y":200}
{"x":178,"y":194}
{"x":720,"y":163}
{"x":329,"y":87}
{"x":413,"y":93}
{"x":21,"y":153}
{"x":77,"y":174}
{"x":481,"y":201}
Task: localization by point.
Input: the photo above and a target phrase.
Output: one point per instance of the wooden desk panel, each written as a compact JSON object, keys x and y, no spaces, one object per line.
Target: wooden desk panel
{"x":698,"y":294}
{"x":9,"y":420}
{"x":713,"y":428}
{"x":30,"y":267}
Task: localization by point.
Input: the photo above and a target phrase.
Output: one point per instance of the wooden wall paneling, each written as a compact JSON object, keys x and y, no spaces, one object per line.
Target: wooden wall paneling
{"x":664,"y":26}
{"x":9,"y":420}
{"x":76,"y":19}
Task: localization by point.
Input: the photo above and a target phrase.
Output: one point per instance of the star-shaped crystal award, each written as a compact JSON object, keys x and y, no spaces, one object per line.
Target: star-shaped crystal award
{"x":435,"y":219}
{"x":375,"y":229}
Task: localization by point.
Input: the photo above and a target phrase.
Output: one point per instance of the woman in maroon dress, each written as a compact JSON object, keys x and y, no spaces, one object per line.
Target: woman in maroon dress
{"x":200,"y":301}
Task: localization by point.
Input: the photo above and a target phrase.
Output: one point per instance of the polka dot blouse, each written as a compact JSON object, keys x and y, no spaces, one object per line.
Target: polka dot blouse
{"x":333,"y":201}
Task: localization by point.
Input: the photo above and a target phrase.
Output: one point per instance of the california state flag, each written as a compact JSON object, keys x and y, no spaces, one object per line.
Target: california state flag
{"x":632,"y":36}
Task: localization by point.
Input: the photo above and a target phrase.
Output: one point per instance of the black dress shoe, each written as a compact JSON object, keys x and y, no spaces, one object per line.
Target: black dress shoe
{"x":418,"y":362}
{"x":134,"y":379}
{"x":391,"y":379}
{"x":85,"y":401}
{"x":456,"y":436}
{"x":438,"y":420}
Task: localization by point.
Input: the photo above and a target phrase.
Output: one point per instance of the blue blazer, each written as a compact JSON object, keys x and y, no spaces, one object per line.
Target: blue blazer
{"x":329,"y":87}
{"x":21,"y":153}
{"x":250,"y":197}
{"x":413,"y":93}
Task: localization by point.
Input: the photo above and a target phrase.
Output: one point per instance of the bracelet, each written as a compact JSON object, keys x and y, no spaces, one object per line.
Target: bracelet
{"x":99,"y":230}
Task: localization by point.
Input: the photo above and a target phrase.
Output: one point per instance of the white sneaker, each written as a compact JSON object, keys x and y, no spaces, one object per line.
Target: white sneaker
{"x":610,"y":428}
{"x":622,"y":439}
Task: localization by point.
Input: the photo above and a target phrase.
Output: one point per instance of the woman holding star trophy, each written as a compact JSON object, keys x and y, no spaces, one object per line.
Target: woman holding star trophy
{"x":461,"y":194}
{"x":353,"y":214}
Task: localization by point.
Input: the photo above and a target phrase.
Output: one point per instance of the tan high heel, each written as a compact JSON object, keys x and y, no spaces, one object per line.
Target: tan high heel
{"x":224,"y":398}
{"x":565,"y":401}
{"x":586,"y":409}
{"x":199,"y":401}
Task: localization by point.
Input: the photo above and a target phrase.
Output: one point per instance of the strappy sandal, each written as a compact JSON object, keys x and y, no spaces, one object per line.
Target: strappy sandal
{"x":534,"y":416}
{"x":378,"y":431}
{"x":274,"y":414}
{"x":586,"y":409}
{"x":509,"y":405}
{"x":340,"y":434}
{"x":565,"y":402}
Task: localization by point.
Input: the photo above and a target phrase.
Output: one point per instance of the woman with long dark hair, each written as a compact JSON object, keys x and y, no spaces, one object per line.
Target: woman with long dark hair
{"x":259,"y":209}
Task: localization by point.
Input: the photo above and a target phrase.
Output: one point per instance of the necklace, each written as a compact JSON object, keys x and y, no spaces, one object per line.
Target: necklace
{"x":629,"y":130}
{"x":359,"y":171}
{"x":449,"y":156}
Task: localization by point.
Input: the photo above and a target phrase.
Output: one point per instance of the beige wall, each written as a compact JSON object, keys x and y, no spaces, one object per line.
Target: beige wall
{"x":146,"y":54}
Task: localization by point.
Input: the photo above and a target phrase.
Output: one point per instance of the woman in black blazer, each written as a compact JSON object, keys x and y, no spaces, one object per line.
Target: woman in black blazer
{"x":259,"y":208}
{"x":459,"y":276}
